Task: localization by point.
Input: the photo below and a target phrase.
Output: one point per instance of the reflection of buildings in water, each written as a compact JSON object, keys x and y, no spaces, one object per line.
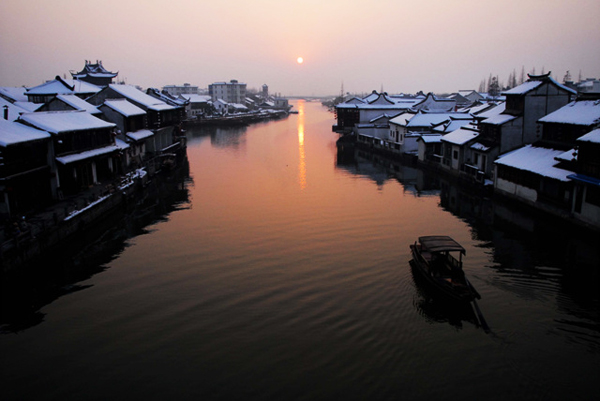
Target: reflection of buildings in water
{"x":231,"y":137}
{"x":89,"y":252}
{"x":521,"y":238}
{"x":468,"y":205}
{"x":534,"y":255}
{"x":380,"y":169}
{"x":220,"y":137}
{"x":302,"y":155}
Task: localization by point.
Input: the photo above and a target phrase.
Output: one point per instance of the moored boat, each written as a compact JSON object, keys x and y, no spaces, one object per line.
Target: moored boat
{"x":438,"y":258}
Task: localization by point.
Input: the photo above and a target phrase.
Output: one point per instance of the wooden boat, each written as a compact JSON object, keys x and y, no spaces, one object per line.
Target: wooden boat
{"x":438,"y":258}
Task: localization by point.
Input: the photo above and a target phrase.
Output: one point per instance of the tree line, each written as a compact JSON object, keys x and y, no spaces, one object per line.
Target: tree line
{"x":493,"y":85}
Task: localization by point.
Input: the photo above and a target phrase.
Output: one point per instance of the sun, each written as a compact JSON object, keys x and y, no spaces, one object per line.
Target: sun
{"x":300,"y":60}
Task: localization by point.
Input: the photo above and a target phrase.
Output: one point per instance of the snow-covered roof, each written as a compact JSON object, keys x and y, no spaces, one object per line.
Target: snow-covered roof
{"x":383,"y":116}
{"x":29,"y":106}
{"x":63,"y":87}
{"x":167,"y":98}
{"x":480,"y":146}
{"x":460,"y":136}
{"x":523,"y":88}
{"x":140,"y":134}
{"x":379,"y":101}
{"x":593,"y":136}
{"x":371,"y":97}
{"x":12,"y":133}
{"x":466,"y":93}
{"x":431,"y":138}
{"x":477,"y":109}
{"x":499,"y":119}
{"x":533,"y":83}
{"x":96,"y":70}
{"x":198,"y":98}
{"x":568,"y":156}
{"x":429,"y":119}
{"x":78,"y":103}
{"x":382,"y":99}
{"x":87,"y":154}
{"x":540,"y":161}
{"x":583,"y":112}
{"x":494,"y":111}
{"x":435,"y":104}
{"x":98,"y":75}
{"x":121,"y":144}
{"x":452,"y":125}
{"x":16,"y":94}
{"x":64,"y":121}
{"x":14,"y":111}
{"x":402,"y":119}
{"x":232,"y":82}
{"x":355,"y":100}
{"x":139,"y":97}
{"x":161,"y":107}
{"x":124,"y":107}
{"x":399,"y":105}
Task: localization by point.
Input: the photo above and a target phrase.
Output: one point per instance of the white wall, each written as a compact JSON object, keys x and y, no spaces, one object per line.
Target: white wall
{"x":516,"y":190}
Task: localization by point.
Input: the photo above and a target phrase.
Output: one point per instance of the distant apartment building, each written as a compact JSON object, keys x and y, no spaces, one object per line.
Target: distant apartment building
{"x":185,"y":89}
{"x":230,"y":92}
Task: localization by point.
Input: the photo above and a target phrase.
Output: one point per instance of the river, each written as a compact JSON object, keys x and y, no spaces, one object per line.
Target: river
{"x":280,"y":271}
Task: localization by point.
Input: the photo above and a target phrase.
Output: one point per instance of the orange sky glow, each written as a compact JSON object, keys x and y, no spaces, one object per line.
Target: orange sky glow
{"x":398,"y":45}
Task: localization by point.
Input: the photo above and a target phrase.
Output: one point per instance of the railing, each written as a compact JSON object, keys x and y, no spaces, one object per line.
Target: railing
{"x":473,"y":172}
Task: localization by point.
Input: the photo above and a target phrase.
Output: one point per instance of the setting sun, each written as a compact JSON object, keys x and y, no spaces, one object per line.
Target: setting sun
{"x":300,"y":60}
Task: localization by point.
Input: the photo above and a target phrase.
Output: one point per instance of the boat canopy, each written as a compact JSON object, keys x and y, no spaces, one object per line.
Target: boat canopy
{"x":441,"y":243}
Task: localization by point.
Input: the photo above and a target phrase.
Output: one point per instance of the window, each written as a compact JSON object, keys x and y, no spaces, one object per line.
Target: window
{"x":455,"y":154}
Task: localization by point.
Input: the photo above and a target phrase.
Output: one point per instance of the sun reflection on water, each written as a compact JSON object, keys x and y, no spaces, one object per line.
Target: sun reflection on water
{"x":302,"y":161}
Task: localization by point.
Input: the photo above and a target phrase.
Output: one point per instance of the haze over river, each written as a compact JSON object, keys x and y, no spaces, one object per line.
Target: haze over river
{"x":281,"y":271}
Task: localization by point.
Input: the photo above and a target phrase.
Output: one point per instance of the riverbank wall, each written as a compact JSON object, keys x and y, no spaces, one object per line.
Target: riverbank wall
{"x":237,"y":119}
{"x":78,"y":218}
{"x":347,"y":145}
{"x":46,"y":230}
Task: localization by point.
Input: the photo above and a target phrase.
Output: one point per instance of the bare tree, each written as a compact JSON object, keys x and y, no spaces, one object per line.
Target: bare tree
{"x":522,"y":77}
{"x":482,"y":86}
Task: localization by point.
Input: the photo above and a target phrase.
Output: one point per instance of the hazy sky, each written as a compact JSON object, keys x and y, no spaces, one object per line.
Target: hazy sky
{"x":400,"y":45}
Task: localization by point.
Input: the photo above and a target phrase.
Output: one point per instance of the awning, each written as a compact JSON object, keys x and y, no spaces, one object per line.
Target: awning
{"x":585,"y":179}
{"x":441,"y":243}
{"x":139,"y":135}
{"x":87,"y":154}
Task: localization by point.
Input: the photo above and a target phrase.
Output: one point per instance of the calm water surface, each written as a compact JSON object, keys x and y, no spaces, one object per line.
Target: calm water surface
{"x":284,"y":274}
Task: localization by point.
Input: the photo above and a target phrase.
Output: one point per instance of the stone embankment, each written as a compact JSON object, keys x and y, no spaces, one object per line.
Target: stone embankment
{"x":29,"y":238}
